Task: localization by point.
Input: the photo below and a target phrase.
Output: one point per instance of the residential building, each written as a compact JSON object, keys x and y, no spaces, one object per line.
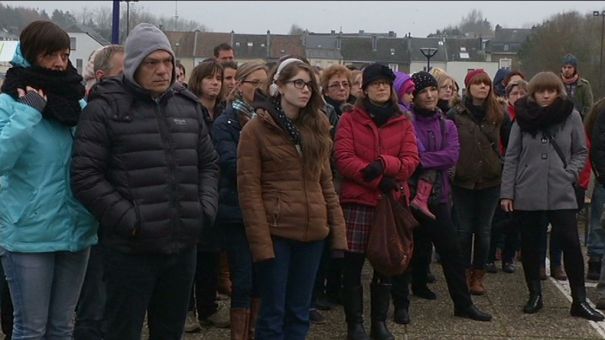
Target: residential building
{"x":83,"y":41}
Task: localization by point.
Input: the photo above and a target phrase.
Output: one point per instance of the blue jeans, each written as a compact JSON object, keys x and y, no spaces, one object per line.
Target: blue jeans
{"x":44,"y":289}
{"x":240,"y":263}
{"x":159,"y":284}
{"x":596,"y":235}
{"x":474,"y":210}
{"x":286,"y":284}
{"x":91,"y":307}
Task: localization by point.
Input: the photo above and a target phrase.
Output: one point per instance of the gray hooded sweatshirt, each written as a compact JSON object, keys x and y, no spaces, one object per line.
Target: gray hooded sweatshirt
{"x":143,"y":40}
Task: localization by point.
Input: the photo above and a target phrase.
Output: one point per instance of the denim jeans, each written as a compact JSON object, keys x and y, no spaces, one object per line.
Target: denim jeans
{"x":596,"y":235}
{"x":205,"y":284}
{"x":474,"y":210}
{"x":159,"y":284}
{"x":286,"y":284}
{"x":44,"y":289}
{"x":243,"y":285}
{"x":91,"y":307}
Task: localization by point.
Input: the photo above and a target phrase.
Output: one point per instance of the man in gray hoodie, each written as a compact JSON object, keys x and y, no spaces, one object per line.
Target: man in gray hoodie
{"x":145,"y":166}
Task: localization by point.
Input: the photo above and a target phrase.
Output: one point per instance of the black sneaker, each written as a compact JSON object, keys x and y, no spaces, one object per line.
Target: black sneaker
{"x":315,"y":317}
{"x":490,"y":267}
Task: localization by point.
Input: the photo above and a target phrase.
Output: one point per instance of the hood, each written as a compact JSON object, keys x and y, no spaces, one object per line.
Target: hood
{"x":19,"y":59}
{"x":400,"y":79}
{"x":498,"y":79}
{"x":143,"y":40}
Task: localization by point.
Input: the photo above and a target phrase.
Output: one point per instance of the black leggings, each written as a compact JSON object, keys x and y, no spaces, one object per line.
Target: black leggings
{"x":565,"y":230}
{"x":352,"y":266}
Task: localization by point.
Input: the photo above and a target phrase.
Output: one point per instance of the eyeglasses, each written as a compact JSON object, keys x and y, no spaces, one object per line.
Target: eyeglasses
{"x":255,"y":83}
{"x":300,"y":84}
{"x":448,"y":87}
{"x":337,"y":85}
{"x":378,"y":83}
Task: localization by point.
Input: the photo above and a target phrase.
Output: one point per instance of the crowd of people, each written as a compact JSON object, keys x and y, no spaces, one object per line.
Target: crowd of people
{"x":134,"y":192}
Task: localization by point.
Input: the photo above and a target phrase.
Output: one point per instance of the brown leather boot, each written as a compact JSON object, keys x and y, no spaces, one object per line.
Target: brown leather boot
{"x":239,"y":323}
{"x":468,"y":273}
{"x":558,"y":273}
{"x":254,"y":310}
{"x":477,"y":277}
{"x":224,"y":279}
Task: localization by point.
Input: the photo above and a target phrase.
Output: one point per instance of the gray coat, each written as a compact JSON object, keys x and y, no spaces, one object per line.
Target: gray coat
{"x":534,"y":176}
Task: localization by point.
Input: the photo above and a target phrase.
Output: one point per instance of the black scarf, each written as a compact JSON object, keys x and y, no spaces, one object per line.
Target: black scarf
{"x":380,"y":114}
{"x":424,"y":112}
{"x":531,"y":117}
{"x":477,"y":112}
{"x":444,"y":105}
{"x":337,"y":106}
{"x":287,"y":124}
{"x":63,"y":90}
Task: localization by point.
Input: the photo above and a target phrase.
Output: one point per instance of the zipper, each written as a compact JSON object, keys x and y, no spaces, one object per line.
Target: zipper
{"x":167,"y":145}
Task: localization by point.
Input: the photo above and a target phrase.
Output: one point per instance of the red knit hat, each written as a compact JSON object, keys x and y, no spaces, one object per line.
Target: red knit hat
{"x":472,"y":74}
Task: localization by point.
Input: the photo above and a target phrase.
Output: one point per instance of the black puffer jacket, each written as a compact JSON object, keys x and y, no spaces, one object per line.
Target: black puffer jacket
{"x":145,"y":168}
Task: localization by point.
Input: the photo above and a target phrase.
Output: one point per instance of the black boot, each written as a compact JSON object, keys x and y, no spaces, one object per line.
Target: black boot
{"x":534,"y":303}
{"x":381,"y":297}
{"x":473,"y":313}
{"x":581,"y":308}
{"x":423,"y":291}
{"x":353,"y":303}
{"x":401,"y":315}
{"x":594,"y":269}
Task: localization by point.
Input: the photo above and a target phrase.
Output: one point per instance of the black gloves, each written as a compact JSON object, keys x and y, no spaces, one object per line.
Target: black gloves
{"x":388,"y":184}
{"x":35,"y":100}
{"x":372,"y":171}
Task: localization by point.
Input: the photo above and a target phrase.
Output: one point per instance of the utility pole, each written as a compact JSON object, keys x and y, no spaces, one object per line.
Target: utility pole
{"x":115,"y":23}
{"x":602,"y":15}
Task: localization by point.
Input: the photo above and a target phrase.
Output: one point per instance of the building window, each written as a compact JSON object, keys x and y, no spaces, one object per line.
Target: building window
{"x":505,"y":63}
{"x":506,"y":47}
{"x":394,"y":67}
{"x":237,"y":44}
{"x":250,"y":44}
{"x":72,"y":43}
{"x":392,"y":51}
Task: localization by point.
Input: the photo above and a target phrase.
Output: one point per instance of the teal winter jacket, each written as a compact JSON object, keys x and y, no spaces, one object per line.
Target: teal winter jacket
{"x":38,"y":212}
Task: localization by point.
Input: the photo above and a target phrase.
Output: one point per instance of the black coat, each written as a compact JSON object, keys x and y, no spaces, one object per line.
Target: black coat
{"x":225,"y":135}
{"x":145,"y":168}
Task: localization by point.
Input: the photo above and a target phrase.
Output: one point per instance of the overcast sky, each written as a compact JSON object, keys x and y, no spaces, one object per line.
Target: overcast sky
{"x":418,"y":17}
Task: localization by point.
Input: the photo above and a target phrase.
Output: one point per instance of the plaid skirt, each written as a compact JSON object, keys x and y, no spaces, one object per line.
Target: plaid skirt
{"x":359,"y":219}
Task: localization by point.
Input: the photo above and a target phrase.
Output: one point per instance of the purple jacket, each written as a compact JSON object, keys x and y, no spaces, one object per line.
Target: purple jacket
{"x":433,"y":154}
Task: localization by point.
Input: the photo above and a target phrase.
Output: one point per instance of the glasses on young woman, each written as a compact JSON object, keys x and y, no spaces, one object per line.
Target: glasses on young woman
{"x":300,"y":84}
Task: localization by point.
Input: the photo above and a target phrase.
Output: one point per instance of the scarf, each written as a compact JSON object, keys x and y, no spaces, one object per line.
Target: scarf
{"x":63,"y":90}
{"x":444,"y":105}
{"x":572,"y":80}
{"x":424,"y":112}
{"x":287,"y":124}
{"x":337,"y":105}
{"x":380,"y":114}
{"x":477,"y":112}
{"x":531,"y":117}
{"x":243,"y":108}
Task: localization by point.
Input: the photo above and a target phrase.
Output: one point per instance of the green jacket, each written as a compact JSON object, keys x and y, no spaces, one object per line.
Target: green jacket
{"x":583,"y":98}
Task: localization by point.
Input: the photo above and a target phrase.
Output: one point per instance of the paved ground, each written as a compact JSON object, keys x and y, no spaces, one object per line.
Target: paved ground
{"x":434,"y":319}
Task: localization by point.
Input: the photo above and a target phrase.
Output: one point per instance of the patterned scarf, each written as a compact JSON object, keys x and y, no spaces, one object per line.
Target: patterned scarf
{"x":244,"y":108}
{"x":287,"y":124}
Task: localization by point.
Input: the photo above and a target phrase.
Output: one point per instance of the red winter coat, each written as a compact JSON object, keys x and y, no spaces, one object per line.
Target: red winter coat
{"x":359,"y":142}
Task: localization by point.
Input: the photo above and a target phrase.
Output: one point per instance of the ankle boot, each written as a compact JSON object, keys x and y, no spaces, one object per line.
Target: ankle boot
{"x":401,"y":315}
{"x":254,"y":311}
{"x":353,"y":303}
{"x":594,"y":269}
{"x":239,"y":323}
{"x":424,"y":292}
{"x":380,"y":299}
{"x":421,"y":200}
{"x":224,"y":278}
{"x":476,"y":286}
{"x":558,"y":273}
{"x":473,"y":313}
{"x":534,"y":303}
{"x":581,"y":308}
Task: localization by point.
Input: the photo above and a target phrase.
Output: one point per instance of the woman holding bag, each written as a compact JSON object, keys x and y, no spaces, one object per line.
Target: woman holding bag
{"x":375,"y":151}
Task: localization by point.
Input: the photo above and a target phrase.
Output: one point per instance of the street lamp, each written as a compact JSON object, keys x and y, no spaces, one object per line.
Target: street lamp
{"x":128,"y":15}
{"x":602,"y":15}
{"x":428,"y":52}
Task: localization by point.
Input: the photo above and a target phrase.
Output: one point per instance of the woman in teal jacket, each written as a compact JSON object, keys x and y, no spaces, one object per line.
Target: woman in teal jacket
{"x":45,"y":234}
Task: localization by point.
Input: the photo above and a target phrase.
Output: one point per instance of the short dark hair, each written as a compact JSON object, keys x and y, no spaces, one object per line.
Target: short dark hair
{"x":229,"y":64}
{"x":42,"y":37}
{"x":179,"y":65}
{"x":221,"y":47}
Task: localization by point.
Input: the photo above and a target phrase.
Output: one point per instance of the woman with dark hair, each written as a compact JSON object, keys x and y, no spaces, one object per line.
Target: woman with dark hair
{"x":376,"y":153}
{"x":287,"y":197}
{"x":476,"y":181}
{"x":438,"y":147}
{"x":46,"y":233}
{"x":245,"y":301}
{"x":546,"y":153}
{"x":206,"y":82}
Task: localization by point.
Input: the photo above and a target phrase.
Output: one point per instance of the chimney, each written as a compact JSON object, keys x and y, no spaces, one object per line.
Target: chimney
{"x":232,"y":38}
{"x":268,"y":44}
{"x":332,"y":32}
{"x":374,"y":43}
{"x":193,"y":53}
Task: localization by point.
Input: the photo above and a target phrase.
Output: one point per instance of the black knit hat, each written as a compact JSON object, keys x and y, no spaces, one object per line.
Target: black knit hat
{"x":570,"y":59}
{"x":374,"y":72}
{"x":422,"y":80}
